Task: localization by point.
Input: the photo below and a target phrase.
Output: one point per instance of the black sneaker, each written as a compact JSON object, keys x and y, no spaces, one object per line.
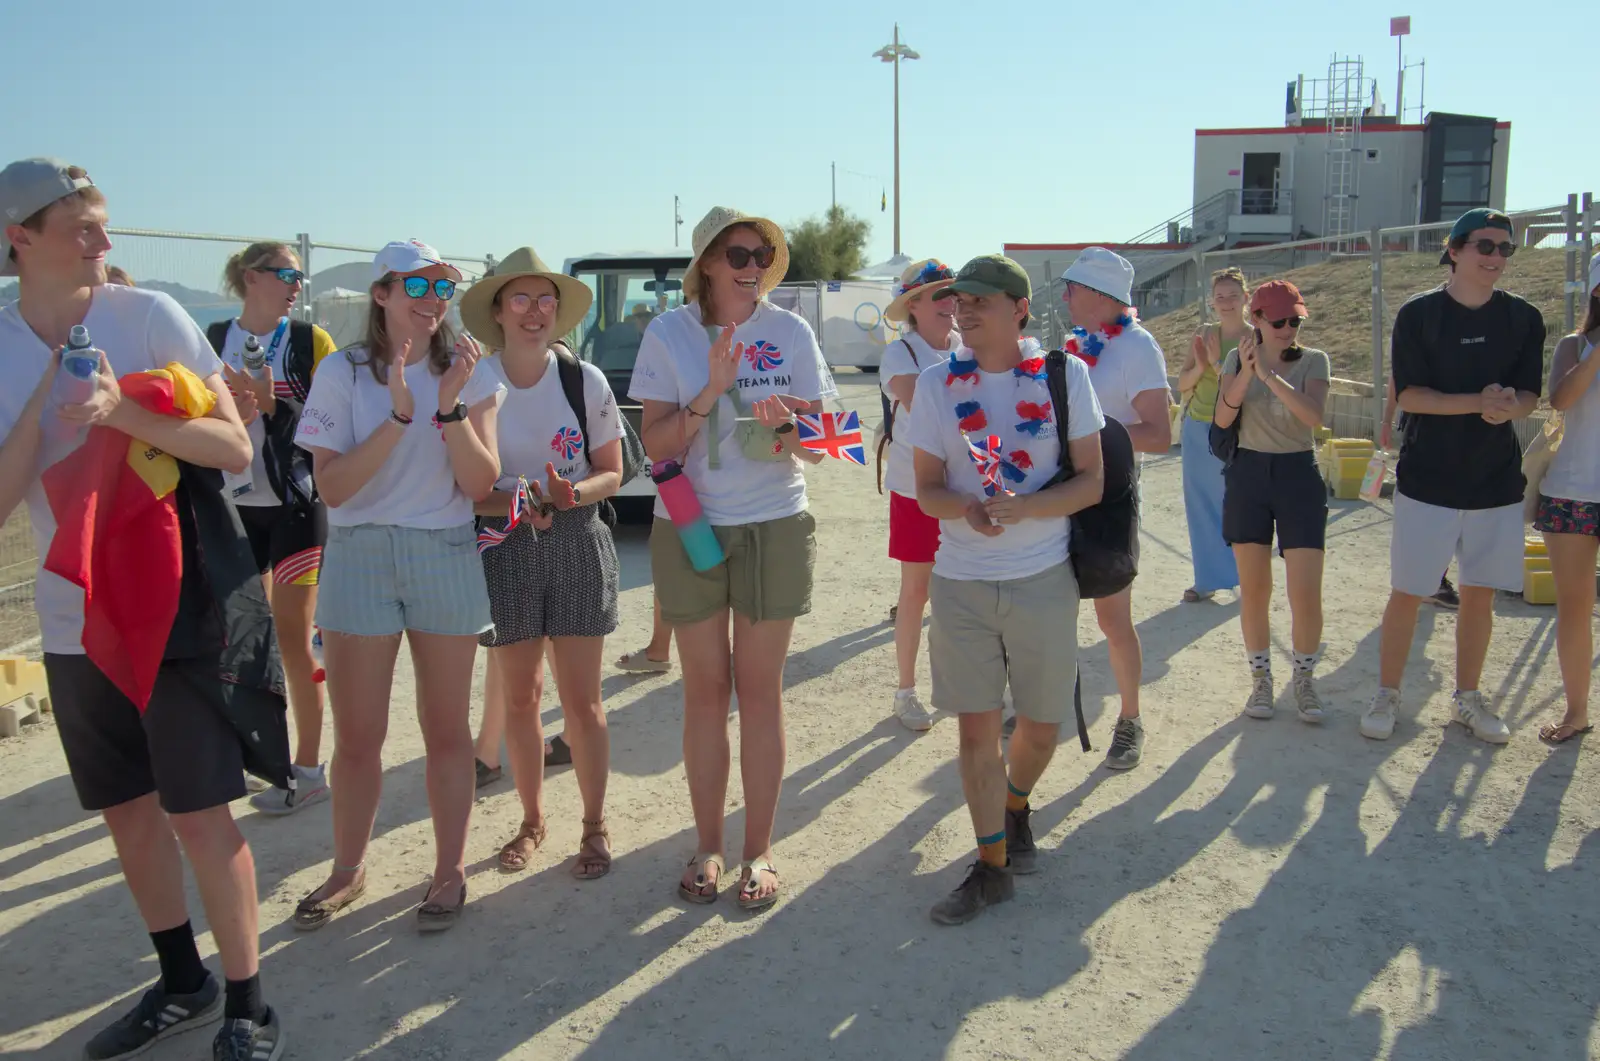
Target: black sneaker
{"x":1020,"y":852}
{"x":1127,"y":745}
{"x":1447,"y":597}
{"x":159,"y":1015}
{"x":985,"y":885}
{"x":245,"y":1040}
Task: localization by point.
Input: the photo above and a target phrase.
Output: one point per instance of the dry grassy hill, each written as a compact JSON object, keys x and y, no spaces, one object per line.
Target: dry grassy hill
{"x":1339,"y":297}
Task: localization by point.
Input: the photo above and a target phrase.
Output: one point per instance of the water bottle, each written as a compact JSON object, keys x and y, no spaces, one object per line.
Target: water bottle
{"x":254,"y":358}
{"x":73,"y":385}
{"x":683,"y":509}
{"x":319,"y":673}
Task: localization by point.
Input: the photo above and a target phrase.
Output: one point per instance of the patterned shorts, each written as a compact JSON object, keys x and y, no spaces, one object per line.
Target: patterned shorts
{"x":1558,"y":515}
{"x":562,"y":582}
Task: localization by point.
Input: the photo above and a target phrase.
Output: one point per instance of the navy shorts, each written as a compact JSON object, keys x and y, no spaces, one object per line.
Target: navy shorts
{"x":1267,"y":492}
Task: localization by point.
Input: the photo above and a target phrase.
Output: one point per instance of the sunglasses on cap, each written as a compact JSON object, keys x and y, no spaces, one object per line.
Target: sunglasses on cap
{"x":288,"y":276}
{"x":1487,"y":247}
{"x":417,"y":287}
{"x":521,"y":303}
{"x":1288,"y":322}
{"x":739,"y":257}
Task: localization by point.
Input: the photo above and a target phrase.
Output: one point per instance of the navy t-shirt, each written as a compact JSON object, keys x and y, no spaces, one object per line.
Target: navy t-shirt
{"x":1463,"y":461}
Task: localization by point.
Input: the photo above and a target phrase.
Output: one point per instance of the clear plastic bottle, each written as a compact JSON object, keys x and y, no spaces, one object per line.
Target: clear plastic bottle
{"x":254,"y":358}
{"x":73,"y":385}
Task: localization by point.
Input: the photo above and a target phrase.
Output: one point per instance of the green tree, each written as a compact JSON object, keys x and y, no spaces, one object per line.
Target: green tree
{"x":831,"y":247}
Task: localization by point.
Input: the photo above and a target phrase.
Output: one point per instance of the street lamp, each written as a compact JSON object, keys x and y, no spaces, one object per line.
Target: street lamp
{"x":893,"y":53}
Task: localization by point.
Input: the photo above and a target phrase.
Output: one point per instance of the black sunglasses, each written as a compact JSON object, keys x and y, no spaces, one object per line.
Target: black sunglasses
{"x":1293,"y":322}
{"x":1487,"y":247}
{"x":739,"y":257}
{"x":288,"y":276}
{"x":417,"y":287}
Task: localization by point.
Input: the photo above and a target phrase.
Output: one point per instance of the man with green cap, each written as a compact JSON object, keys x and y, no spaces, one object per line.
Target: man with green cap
{"x":1468,"y":361}
{"x":986,"y":442}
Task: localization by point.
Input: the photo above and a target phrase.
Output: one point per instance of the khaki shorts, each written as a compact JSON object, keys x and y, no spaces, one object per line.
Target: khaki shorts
{"x":1023,"y":630}
{"x":767,"y":573}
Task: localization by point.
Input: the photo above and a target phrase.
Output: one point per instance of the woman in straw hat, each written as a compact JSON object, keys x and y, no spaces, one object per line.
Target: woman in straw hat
{"x":929,"y":336}
{"x":401,"y":428}
{"x":721,"y":379}
{"x":554,"y":578}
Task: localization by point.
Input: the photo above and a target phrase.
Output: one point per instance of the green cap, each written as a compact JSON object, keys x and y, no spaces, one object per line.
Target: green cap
{"x":1478,"y":218}
{"x":991,"y":274}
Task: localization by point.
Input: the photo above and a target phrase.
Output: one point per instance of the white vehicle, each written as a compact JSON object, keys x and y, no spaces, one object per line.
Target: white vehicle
{"x":630,"y":290}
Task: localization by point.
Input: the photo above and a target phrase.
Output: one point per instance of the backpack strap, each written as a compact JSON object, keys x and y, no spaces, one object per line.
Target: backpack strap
{"x":571,"y":372}
{"x":1055,"y":374}
{"x":300,"y":359}
{"x":217,"y":335}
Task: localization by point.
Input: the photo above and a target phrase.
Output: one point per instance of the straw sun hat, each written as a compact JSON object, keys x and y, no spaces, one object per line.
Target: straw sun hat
{"x":920,"y":278}
{"x":712,"y":225}
{"x":477,"y":305}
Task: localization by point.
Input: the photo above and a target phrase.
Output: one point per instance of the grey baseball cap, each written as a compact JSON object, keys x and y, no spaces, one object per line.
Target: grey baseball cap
{"x":29,"y":186}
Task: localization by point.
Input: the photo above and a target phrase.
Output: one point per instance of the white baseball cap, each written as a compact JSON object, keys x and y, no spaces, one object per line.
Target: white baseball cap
{"x":1104,"y":271}
{"x":29,"y":186}
{"x":407,"y":256}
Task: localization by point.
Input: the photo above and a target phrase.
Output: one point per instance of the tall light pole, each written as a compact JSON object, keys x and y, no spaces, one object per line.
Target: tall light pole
{"x":892,"y":53}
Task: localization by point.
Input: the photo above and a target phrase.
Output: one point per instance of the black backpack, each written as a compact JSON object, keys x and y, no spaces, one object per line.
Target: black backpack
{"x":570,"y":369}
{"x":287,"y":465}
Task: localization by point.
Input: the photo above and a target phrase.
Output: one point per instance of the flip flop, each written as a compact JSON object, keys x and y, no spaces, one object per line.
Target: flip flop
{"x":640,"y":663}
{"x":702,"y":879}
{"x":1549,"y":732}
{"x":1194,"y":596}
{"x":748,"y":895}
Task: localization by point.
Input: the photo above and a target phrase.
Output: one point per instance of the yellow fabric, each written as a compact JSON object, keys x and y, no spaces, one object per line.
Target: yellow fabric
{"x":322,"y":345}
{"x":191,"y":399}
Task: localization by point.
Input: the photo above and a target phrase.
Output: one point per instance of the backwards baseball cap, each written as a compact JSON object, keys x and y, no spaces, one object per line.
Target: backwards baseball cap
{"x":1472,"y":221}
{"x":407,"y":256}
{"x":990,"y":274}
{"x":29,"y":186}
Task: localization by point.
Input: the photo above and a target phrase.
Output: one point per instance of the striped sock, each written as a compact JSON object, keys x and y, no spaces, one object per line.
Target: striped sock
{"x":1016,"y":799}
{"x":992,"y":849}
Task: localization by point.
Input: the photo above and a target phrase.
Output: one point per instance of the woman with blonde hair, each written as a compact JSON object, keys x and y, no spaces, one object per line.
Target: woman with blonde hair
{"x":553,"y":579}
{"x":721,"y":379}
{"x":929,"y":337}
{"x":1212,"y":559}
{"x":402,"y":560}
{"x":283,"y":517}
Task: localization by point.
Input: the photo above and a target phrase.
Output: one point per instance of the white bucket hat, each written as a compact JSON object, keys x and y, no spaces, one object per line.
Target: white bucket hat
{"x":712,"y":225}
{"x":1104,"y":271}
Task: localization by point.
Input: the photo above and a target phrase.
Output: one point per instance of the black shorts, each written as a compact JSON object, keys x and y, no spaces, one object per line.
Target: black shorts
{"x":182,"y":748}
{"x":287,"y":541}
{"x":1263,"y":491}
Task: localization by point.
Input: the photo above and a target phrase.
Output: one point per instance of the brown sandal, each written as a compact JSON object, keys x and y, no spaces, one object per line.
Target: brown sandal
{"x":435,"y":916}
{"x":594,"y":851}
{"x":313,"y":913}
{"x":514,"y":857}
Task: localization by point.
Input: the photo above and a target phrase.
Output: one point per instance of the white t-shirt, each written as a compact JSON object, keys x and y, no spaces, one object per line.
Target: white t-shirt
{"x":1130,"y":364}
{"x":780,"y":356}
{"x":257,"y":490}
{"x":139,"y":330}
{"x":899,"y":474}
{"x":415,"y":487}
{"x":1024,"y":548}
{"x":538,"y":427}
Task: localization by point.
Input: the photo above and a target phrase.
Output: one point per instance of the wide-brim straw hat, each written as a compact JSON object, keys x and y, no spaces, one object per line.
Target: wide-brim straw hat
{"x":477,"y":305}
{"x":913,"y":284}
{"x":713,"y":224}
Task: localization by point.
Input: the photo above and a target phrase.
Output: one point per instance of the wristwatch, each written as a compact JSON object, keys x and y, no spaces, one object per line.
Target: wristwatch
{"x":577,"y":496}
{"x":455,"y":415}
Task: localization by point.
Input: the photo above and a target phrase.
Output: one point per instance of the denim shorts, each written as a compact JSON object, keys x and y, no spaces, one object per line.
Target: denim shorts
{"x":379,"y":580}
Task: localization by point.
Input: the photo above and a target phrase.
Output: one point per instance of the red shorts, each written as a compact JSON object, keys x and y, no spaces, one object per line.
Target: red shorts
{"x":913,"y":534}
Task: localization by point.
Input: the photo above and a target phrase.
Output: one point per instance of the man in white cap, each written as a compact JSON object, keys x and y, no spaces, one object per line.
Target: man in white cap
{"x":161,"y":776}
{"x":1129,"y":375}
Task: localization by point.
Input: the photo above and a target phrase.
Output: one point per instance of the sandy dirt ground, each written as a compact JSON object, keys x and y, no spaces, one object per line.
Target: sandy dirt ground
{"x":1253,"y":890}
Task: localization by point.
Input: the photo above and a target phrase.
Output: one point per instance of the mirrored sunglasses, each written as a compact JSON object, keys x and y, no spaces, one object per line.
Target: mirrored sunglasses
{"x":417,"y":287}
{"x":288,"y":276}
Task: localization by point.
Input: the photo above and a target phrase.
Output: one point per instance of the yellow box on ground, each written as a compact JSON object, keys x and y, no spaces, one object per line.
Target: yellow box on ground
{"x":23,"y":693}
{"x":1539,"y":587}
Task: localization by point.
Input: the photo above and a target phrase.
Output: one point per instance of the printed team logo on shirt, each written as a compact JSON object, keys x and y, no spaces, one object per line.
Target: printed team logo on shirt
{"x":763,"y":356}
{"x":567,"y":442}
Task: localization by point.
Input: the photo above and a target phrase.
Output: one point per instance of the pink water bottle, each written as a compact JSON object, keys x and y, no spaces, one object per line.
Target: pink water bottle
{"x":683,"y":508}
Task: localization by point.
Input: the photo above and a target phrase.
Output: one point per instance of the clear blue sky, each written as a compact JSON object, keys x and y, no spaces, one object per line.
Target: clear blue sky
{"x":483,"y":125}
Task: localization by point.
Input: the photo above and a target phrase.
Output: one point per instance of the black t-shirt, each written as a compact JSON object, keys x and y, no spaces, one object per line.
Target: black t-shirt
{"x":1464,"y":461}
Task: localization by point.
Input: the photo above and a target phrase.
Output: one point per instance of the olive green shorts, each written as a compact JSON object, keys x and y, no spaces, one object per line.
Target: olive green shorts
{"x":767,"y":573}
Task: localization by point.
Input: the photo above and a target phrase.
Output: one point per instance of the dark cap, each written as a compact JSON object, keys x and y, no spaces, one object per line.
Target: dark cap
{"x":1472,"y":221}
{"x":991,"y":274}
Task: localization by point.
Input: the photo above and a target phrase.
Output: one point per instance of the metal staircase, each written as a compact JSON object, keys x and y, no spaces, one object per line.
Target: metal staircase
{"x":1346,"y":101}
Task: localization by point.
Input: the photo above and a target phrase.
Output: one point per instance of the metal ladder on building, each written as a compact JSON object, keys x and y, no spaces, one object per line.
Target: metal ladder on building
{"x":1347,"y":99}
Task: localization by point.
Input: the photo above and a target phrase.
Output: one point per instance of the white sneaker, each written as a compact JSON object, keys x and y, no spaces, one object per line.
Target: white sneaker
{"x":1260,"y":703}
{"x":1471,"y":709}
{"x":310,"y":786}
{"x":1307,"y":704}
{"x":909,"y":710}
{"x":1378,"y":722}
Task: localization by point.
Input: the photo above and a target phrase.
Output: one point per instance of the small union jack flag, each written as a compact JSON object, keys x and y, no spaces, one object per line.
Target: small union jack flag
{"x":993,"y":468}
{"x":763,"y":356}
{"x":836,"y":434}
{"x":489,"y":537}
{"x":567,"y":442}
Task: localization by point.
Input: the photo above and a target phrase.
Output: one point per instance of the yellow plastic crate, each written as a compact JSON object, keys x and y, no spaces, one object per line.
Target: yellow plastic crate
{"x":1534,"y":547}
{"x":1539,"y":587}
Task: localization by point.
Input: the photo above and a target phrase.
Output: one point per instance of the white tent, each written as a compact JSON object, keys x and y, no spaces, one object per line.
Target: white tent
{"x":889,"y":270}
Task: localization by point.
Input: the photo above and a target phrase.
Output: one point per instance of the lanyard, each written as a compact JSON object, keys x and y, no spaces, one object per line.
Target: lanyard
{"x":277,"y":338}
